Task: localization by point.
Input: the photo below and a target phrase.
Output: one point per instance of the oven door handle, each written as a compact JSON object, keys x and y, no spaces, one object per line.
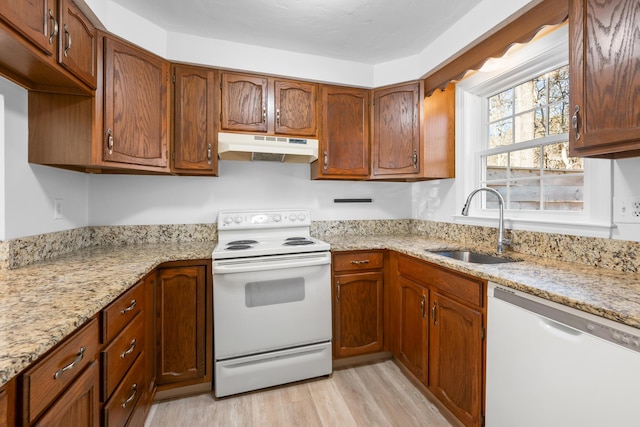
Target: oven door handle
{"x":272,"y":264}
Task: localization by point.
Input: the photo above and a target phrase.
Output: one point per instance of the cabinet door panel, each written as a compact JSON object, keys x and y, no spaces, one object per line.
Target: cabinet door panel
{"x":456,"y":358}
{"x":295,"y":108}
{"x":135,"y":106}
{"x":181,"y":303}
{"x":244,"y":103}
{"x":34,"y":19}
{"x":413,"y":328}
{"x":358,"y":314}
{"x":605,"y":77}
{"x":344,"y":146}
{"x":77,"y":45}
{"x":194,"y":144}
{"x":396,"y":135}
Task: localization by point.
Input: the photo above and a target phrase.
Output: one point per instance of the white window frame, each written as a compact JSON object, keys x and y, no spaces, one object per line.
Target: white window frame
{"x":521,"y":64}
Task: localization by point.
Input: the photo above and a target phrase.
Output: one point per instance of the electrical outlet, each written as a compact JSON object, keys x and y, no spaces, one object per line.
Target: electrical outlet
{"x":626,"y":209}
{"x":57,"y":208}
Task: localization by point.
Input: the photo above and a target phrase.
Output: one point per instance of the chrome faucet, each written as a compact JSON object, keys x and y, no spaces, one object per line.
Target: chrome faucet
{"x":502,"y":242}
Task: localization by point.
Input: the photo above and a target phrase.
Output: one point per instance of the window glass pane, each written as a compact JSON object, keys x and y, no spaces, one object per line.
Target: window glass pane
{"x":497,"y":166}
{"x":500,"y":133}
{"x":559,"y":118}
{"x":559,"y":85}
{"x":530,"y":126}
{"x":501,"y":105}
{"x":563,"y":193}
{"x":526,"y":160}
{"x":524,"y":195}
{"x":531,"y":94}
{"x":490,"y":200}
{"x":556,"y":158}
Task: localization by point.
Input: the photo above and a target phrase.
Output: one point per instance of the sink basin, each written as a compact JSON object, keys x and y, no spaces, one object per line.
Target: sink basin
{"x":474,"y":257}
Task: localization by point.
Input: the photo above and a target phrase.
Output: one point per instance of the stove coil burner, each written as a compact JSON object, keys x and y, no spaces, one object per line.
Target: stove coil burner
{"x":238,"y":245}
{"x":297,"y":241}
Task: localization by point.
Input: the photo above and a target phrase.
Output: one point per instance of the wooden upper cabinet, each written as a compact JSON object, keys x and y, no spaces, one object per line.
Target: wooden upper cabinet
{"x":344,"y":141}
{"x":136,"y":112}
{"x":244,"y":102}
{"x":439,"y":134}
{"x":397,"y":131}
{"x":194,"y":149}
{"x":35,"y":19}
{"x":77,"y":48}
{"x":604,"y":64}
{"x":295,"y":104}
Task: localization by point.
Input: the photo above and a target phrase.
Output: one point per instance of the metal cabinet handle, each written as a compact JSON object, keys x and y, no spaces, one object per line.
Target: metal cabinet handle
{"x":264,"y":114}
{"x":68,"y":44}
{"x":55,"y":26}
{"x":338,"y":292}
{"x":433,"y":312}
{"x":278,"y":116}
{"x":325,"y":159}
{"x":422,"y":304}
{"x":130,"y":349}
{"x":130,"y":398}
{"x":209,"y":153}
{"x":71,"y":365}
{"x":575,"y":120}
{"x":131,"y":307}
{"x":359,"y":262}
{"x":415,"y":159}
{"x":109,"y":141}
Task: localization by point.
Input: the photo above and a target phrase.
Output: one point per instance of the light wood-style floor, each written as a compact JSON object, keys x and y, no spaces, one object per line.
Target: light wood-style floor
{"x":376,"y":394}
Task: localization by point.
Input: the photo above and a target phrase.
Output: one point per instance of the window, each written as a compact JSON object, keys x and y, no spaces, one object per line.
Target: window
{"x":512,"y":132}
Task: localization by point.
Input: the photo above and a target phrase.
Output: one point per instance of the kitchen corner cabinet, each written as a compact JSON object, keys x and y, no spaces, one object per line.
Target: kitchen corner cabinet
{"x":136,"y":110}
{"x":397,"y":136}
{"x":194,"y":143}
{"x":260,"y":104}
{"x":604,"y":64}
{"x":358,"y":286}
{"x":184,"y":324}
{"x":344,"y":134}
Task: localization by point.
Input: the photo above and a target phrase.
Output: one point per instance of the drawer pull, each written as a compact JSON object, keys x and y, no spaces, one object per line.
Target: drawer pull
{"x":359,"y":262}
{"x":71,"y":365}
{"x":130,"y":349}
{"x":131,"y":307}
{"x":55,"y":26}
{"x":130,"y":398}
{"x":422,"y":304}
{"x":433,"y":312}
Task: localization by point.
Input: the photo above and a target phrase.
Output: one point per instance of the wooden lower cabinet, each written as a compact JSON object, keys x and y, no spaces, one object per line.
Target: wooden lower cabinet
{"x":184,"y":324}
{"x":8,"y":404}
{"x":414,"y":328}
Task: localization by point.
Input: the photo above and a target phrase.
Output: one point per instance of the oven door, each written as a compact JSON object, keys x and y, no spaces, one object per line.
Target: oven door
{"x":268,"y":303}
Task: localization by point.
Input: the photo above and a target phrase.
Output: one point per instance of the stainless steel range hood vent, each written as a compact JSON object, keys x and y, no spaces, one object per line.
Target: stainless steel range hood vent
{"x":236,"y":146}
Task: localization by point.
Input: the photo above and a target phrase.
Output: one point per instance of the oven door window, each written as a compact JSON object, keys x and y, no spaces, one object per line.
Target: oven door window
{"x":273,"y":292}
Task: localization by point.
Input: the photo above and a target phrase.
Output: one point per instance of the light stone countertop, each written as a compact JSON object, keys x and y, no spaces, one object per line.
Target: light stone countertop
{"x":43,"y":303}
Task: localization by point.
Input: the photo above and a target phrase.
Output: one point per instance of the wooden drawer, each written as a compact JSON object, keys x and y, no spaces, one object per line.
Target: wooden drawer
{"x":412,"y":269}
{"x":119,"y":313}
{"x":119,"y":408}
{"x":355,"y":261}
{"x":49,"y":377}
{"x":119,"y":355}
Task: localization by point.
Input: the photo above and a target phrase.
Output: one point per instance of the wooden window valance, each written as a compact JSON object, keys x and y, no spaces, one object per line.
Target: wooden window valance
{"x":520,"y":30}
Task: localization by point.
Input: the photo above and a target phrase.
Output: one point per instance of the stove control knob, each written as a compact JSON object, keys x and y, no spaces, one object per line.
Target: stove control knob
{"x":238,"y":219}
{"x":302,"y":216}
{"x":292,"y":217}
{"x":277,"y":218}
{"x":228,"y":220}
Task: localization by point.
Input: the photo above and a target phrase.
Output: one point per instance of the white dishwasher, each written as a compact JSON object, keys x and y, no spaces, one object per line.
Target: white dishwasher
{"x":554,"y":366}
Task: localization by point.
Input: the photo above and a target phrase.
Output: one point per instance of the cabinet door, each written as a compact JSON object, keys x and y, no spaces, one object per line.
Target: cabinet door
{"x":456,"y":358}
{"x":295,"y":104}
{"x":344,"y":145}
{"x":181,"y":330}
{"x":79,"y":405}
{"x":396,"y":131}
{"x":413,"y":333}
{"x":37,"y":20}
{"x":604,"y":63}
{"x":358,"y":316}
{"x":194,"y":119}
{"x":439,"y":134}
{"x":77,"y":45}
{"x":244,"y":102}
{"x":136,"y":110}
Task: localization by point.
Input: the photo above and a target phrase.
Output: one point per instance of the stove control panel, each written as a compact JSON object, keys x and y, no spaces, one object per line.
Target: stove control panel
{"x":238,"y":220}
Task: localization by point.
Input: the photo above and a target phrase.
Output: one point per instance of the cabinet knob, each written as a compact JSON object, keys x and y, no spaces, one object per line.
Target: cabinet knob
{"x":54,"y":25}
{"x":264,"y":114}
{"x":325,"y":160}
{"x":278,"y":116}
{"x":209,"y":153}
{"x":109,"y":141}
{"x":415,"y":159}
{"x":575,"y":122}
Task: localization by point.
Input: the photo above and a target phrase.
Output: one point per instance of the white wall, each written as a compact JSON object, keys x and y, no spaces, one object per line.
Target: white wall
{"x":28,"y":190}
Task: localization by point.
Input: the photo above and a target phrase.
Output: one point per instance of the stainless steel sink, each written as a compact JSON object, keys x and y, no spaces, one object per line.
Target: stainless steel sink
{"x":474,"y":257}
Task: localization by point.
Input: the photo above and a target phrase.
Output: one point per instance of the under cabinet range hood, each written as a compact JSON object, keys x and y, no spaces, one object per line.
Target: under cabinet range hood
{"x":236,"y":146}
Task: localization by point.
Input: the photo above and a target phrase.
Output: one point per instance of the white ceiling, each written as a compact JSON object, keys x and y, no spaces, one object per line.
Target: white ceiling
{"x":366,"y":31}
